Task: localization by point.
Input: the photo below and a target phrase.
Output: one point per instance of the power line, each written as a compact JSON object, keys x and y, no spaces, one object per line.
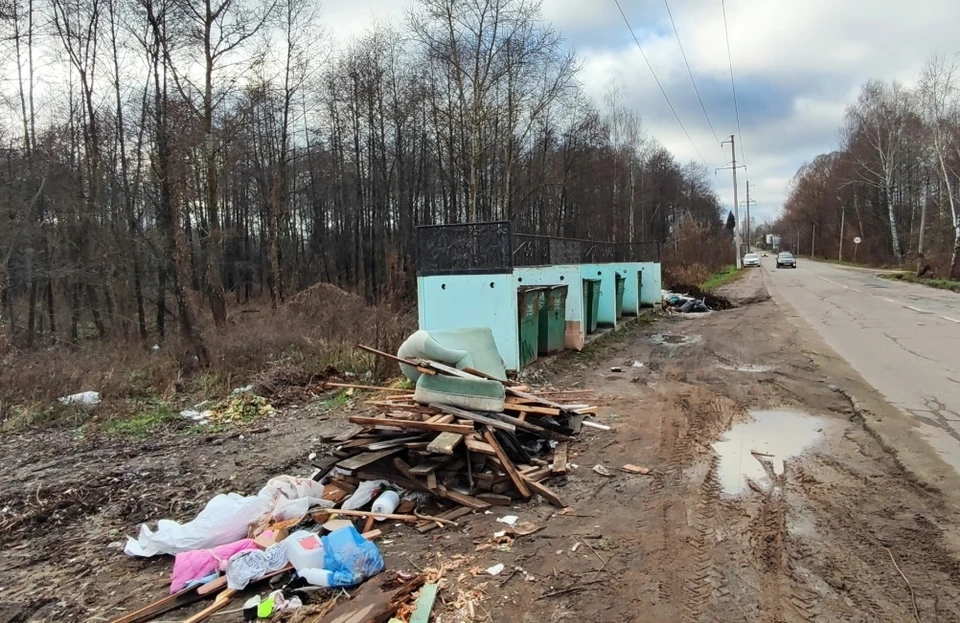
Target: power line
{"x":733,"y":84}
{"x":657,"y":80}
{"x":690,"y":71}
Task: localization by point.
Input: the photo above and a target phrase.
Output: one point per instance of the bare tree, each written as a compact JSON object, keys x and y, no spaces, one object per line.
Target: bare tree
{"x":877,"y":132}
{"x":940,"y":106}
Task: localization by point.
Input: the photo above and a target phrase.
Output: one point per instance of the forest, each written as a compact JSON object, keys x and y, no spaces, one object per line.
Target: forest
{"x":171,"y":164}
{"x":892,"y":182}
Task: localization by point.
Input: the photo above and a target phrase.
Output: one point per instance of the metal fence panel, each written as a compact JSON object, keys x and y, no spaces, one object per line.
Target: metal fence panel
{"x":467,"y":248}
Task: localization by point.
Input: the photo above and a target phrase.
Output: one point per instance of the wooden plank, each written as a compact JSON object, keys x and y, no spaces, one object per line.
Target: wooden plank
{"x":421,"y":613}
{"x":161,"y":606}
{"x":518,"y":482}
{"x":412,"y":424}
{"x":432,"y":481}
{"x":461,"y":498}
{"x":476,"y":417}
{"x":407,"y":362}
{"x":405,"y":469}
{"x":519,"y":408}
{"x":393,"y":443}
{"x":537,"y":399}
{"x":560,"y":458}
{"x":475,"y":445}
{"x":495,"y":498}
{"x":369,"y":387}
{"x":533,"y":428}
{"x":356,"y":462}
{"x":374,"y":601}
{"x":451,"y":515}
{"x":441,"y":418}
{"x":545,"y":492}
{"x":445,"y":443}
{"x":426,"y":467}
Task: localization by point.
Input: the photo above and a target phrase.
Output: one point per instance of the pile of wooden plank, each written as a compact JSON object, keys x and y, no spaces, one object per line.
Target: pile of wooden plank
{"x":470,"y":458}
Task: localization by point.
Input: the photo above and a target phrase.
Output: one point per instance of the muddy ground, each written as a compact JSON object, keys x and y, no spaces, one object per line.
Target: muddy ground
{"x":843,"y":532}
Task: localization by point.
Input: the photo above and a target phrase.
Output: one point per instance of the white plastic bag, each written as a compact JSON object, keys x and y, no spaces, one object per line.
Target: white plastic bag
{"x":292,"y":497}
{"x":364,"y":494}
{"x":225,"y":519}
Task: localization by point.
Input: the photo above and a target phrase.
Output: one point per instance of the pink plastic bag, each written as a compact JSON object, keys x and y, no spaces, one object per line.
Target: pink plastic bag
{"x":188,"y":566}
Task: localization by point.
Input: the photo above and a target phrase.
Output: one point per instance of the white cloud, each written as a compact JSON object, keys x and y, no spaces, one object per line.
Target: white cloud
{"x":798,"y":63}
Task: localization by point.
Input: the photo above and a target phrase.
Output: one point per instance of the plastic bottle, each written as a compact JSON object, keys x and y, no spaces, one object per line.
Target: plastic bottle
{"x":385,"y":504}
{"x":305,"y":550}
{"x":317,"y":577}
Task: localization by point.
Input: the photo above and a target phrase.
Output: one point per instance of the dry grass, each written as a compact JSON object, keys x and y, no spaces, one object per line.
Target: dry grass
{"x":315,"y":331}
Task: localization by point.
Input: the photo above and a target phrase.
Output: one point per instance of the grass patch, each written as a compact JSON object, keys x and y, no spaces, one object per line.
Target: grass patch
{"x":940,"y":284}
{"x":338,"y":399}
{"x":36,"y":414}
{"x":149,"y":417}
{"x":728,"y":274}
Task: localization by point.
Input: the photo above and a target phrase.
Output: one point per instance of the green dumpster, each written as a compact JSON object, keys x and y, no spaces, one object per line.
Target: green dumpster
{"x":528,"y":304}
{"x":591,"y":304}
{"x":621,"y":288}
{"x":553,"y":319}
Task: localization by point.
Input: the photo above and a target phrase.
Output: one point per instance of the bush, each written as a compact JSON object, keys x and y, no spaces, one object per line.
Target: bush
{"x":316,"y":330}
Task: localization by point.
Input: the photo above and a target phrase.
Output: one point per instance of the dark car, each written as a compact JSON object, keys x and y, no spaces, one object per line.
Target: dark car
{"x":785,"y":260}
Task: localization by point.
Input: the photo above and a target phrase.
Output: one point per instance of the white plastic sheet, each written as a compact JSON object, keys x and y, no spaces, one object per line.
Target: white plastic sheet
{"x":225,"y":519}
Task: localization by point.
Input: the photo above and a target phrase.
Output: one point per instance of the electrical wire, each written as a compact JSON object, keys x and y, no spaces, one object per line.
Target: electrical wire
{"x":657,"y":80}
{"x":690,"y":72}
{"x":733,"y":84}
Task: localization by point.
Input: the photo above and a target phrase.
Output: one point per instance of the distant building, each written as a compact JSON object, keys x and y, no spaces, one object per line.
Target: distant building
{"x":773,"y":241}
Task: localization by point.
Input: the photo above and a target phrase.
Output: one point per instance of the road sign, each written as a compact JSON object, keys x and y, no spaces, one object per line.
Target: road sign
{"x":857,"y":240}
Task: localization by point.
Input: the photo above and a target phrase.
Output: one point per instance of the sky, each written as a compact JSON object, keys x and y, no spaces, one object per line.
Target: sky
{"x":797,"y":64}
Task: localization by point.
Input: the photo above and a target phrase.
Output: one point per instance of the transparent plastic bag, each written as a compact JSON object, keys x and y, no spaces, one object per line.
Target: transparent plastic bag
{"x":350,"y":557}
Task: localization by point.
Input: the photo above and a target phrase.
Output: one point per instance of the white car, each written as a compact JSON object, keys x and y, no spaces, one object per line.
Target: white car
{"x":751,"y":259}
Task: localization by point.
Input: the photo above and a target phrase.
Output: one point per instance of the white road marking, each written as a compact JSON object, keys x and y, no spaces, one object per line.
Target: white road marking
{"x":889,"y":300}
{"x":839,"y":285}
{"x":950,"y":319}
{"x":916,"y":309}
{"x":857,"y":291}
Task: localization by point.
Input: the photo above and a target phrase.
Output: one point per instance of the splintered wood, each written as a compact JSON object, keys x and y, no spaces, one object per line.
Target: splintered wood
{"x":469,"y":458}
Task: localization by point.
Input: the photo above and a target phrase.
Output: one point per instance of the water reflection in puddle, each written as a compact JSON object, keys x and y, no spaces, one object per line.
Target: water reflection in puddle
{"x":779,"y":433}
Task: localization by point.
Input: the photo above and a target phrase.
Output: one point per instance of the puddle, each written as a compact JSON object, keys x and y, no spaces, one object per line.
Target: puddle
{"x":779,"y":433}
{"x":749,"y":367}
{"x":673,"y":340}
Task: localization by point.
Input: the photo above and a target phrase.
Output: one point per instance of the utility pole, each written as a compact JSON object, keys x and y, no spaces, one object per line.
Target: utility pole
{"x":736,"y":206}
{"x":747,"y":222}
{"x":813,"y":241}
{"x":843,"y":218}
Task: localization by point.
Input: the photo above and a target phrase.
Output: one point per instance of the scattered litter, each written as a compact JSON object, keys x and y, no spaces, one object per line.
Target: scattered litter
{"x":83,"y":399}
{"x":496,"y":569}
{"x":197,"y":416}
{"x":590,"y":424}
{"x":636,"y":364}
{"x":616,"y":369}
{"x":510,"y":520}
{"x":525,"y":528}
{"x":603,"y":471}
{"x":246,"y":389}
{"x":635,"y":469}
{"x":575,"y":547}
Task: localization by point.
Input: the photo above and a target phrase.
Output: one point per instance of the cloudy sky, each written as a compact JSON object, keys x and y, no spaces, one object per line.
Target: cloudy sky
{"x":797,"y":64}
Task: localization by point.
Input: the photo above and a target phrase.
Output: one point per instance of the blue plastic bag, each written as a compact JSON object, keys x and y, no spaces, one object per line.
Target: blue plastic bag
{"x":350,"y":557}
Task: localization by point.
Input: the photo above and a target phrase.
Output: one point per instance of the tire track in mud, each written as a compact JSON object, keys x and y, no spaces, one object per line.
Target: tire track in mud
{"x":706,"y":578}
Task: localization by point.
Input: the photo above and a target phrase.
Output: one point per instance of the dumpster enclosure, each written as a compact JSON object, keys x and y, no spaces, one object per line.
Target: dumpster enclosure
{"x":537,"y":294}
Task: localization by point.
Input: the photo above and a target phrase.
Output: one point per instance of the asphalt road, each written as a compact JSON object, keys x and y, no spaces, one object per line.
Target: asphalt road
{"x":904,"y":339}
